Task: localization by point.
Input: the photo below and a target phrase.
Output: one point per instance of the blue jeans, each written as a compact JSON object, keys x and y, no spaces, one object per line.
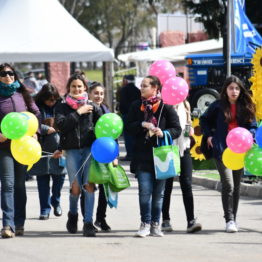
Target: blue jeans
{"x":75,"y":159}
{"x":151,"y":193}
{"x":13,"y":191}
{"x":43,"y":184}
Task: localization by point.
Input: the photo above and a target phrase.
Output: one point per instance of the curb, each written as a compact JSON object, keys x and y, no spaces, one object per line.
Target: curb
{"x":245,"y":189}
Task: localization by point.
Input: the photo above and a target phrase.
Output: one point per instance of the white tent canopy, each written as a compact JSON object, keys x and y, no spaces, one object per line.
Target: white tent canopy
{"x":174,"y":53}
{"x":43,"y":31}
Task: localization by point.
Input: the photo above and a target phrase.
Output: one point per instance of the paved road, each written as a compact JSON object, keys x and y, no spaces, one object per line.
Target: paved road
{"x":48,"y":241}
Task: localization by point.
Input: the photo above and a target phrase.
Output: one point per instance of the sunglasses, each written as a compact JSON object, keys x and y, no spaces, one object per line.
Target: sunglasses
{"x":5,"y":73}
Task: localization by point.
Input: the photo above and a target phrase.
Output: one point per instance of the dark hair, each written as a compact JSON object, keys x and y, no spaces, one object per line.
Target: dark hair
{"x":22,"y":89}
{"x":94,"y":85}
{"x":129,"y":78}
{"x":155,"y":82}
{"x":73,"y":77}
{"x":47,"y":91}
{"x":245,"y":106}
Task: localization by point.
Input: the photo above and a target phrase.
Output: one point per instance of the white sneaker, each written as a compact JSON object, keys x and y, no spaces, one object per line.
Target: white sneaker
{"x":144,"y":230}
{"x":155,"y":230}
{"x":231,"y":227}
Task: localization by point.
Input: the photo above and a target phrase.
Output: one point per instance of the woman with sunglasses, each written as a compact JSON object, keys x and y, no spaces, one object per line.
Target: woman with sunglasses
{"x":14,"y":97}
{"x":49,"y":167}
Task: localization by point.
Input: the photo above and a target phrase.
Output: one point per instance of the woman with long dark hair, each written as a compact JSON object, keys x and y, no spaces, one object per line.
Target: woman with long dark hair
{"x":14,"y":97}
{"x":48,"y":167}
{"x":234,"y":109}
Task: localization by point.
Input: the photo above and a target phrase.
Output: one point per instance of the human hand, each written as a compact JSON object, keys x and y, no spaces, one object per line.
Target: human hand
{"x":2,"y":138}
{"x":51,"y":130}
{"x":85,"y":109}
{"x":209,"y":141}
{"x":148,"y":125}
{"x":115,"y":162}
{"x":157,"y":131}
{"x":57,"y":154}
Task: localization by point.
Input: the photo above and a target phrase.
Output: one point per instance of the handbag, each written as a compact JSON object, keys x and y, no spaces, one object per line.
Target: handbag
{"x":205,"y":149}
{"x":118,"y":179}
{"x":99,"y":173}
{"x":111,"y":197}
{"x":166,"y":158}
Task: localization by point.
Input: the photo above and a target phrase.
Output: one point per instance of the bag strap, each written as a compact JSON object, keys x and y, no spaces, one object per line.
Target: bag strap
{"x":157,"y":140}
{"x":166,"y":140}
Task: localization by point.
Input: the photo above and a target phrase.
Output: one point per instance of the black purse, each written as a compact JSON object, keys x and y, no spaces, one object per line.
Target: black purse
{"x":205,"y":149}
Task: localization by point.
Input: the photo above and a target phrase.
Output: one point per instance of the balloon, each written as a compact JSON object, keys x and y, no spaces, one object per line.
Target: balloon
{"x":174,"y":91}
{"x":26,"y":151}
{"x":259,"y":136}
{"x":32,"y":123}
{"x":239,"y":140}
{"x":104,"y":149}
{"x":232,"y":160}
{"x":109,"y":125}
{"x":14,"y":125}
{"x":163,"y":69}
{"x":253,"y":161}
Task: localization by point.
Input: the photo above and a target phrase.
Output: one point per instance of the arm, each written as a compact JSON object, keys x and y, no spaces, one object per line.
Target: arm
{"x":172,"y":122}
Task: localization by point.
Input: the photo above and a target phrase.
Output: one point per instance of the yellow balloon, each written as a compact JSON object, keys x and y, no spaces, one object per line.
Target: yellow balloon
{"x":26,"y":150}
{"x":232,"y":160}
{"x":32,"y":123}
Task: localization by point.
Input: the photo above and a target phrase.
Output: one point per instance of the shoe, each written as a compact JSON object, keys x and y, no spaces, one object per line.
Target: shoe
{"x":103,"y":225}
{"x":193,"y":226}
{"x":155,"y":230}
{"x":89,"y":230}
{"x":166,"y":226}
{"x":71,"y":224}
{"x":231,"y":227}
{"x":44,"y":217}
{"x":19,"y":231}
{"x":7,"y":232}
{"x":144,"y":230}
{"x":58,"y":211}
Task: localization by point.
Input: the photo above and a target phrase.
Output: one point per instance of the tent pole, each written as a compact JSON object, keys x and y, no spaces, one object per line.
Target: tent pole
{"x":229,"y":25}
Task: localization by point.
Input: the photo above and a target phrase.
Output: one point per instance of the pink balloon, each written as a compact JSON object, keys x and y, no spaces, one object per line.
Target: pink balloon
{"x":163,"y":69}
{"x":239,"y":140}
{"x":174,"y":91}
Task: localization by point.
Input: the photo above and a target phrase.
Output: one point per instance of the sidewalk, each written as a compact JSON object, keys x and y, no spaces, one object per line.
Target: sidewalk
{"x":48,"y":241}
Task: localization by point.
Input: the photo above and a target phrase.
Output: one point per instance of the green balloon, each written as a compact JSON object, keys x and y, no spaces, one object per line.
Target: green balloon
{"x":109,"y":125}
{"x":253,"y":161}
{"x":14,"y":125}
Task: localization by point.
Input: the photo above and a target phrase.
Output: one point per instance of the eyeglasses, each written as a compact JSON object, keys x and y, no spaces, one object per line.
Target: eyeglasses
{"x":5,"y":73}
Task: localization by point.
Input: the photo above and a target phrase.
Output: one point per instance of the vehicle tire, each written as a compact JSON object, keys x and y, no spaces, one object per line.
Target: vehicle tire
{"x":203,"y":98}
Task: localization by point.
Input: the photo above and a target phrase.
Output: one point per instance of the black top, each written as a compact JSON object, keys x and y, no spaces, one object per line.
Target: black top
{"x":143,"y":152}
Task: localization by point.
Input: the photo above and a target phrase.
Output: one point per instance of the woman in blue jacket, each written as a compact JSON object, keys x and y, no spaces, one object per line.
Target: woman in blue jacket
{"x":234,"y":109}
{"x":48,"y":167}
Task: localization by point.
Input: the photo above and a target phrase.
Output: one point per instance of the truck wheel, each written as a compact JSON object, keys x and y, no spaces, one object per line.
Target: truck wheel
{"x":203,"y":98}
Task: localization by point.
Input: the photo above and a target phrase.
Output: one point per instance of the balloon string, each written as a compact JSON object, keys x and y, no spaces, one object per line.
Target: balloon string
{"x":83,"y":165}
{"x":47,"y":152}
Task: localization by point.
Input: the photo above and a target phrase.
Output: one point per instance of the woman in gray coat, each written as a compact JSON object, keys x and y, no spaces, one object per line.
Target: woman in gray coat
{"x":49,"y":167}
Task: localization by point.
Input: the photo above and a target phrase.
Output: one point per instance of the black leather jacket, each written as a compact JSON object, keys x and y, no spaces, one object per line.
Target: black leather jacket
{"x":76,"y":131}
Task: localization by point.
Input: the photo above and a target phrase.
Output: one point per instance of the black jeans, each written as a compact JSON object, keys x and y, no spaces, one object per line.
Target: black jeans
{"x":185,"y":180}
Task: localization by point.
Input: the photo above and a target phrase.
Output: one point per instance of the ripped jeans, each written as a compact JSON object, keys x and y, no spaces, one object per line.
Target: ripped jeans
{"x":76,"y":159}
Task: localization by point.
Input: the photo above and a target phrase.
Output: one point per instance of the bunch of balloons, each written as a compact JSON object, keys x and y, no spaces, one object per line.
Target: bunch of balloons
{"x":108,"y":128}
{"x":242,"y":152}
{"x":174,"y":89}
{"x":20,"y":127}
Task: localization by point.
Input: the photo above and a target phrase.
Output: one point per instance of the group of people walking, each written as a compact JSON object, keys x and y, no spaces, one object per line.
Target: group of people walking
{"x":66,"y":133}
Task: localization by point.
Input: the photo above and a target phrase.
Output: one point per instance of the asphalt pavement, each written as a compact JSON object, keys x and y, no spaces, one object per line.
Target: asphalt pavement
{"x":48,"y":241}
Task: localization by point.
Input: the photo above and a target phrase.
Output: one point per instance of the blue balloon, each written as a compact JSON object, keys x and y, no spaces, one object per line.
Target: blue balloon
{"x":104,"y":149}
{"x":259,"y":136}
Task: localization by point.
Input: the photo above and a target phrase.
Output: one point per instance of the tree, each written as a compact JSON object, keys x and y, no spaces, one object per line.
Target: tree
{"x":119,"y":24}
{"x":211,"y":13}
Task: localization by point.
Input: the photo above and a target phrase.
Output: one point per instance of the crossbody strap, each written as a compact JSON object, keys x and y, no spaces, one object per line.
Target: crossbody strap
{"x":159,"y":121}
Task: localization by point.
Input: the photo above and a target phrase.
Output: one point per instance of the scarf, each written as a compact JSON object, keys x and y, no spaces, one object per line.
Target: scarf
{"x":149,"y":107}
{"x":76,"y":102}
{"x":8,"y":90}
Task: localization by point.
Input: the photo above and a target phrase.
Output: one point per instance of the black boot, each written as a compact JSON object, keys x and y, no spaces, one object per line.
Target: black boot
{"x":71,"y":224}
